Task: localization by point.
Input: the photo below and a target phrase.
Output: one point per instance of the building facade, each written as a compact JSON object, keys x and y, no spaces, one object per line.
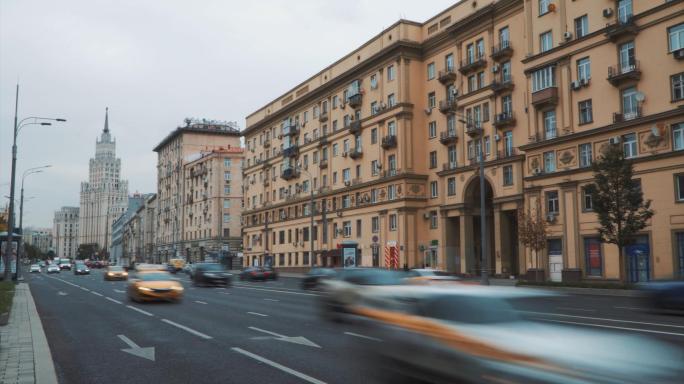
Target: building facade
{"x":65,"y":232}
{"x":122,"y":252}
{"x":496,"y":78}
{"x":104,"y":196}
{"x":213,"y":204}
{"x":40,"y":238}
{"x":178,"y":148}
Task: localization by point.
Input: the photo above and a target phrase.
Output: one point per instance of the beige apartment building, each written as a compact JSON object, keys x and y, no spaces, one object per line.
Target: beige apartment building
{"x":180,"y":147}
{"x":388,"y":137}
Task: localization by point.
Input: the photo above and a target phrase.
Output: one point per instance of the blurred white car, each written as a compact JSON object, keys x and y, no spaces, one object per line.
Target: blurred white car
{"x":35,"y":268}
{"x":53,"y":268}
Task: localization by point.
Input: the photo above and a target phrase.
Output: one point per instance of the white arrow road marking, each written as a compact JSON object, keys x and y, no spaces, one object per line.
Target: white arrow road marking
{"x":362,"y":336}
{"x":199,"y":302}
{"x":119,"y":291}
{"x":62,"y":293}
{"x":278,"y":366}
{"x":135,"y":350}
{"x":257,"y":314}
{"x":290,"y":339}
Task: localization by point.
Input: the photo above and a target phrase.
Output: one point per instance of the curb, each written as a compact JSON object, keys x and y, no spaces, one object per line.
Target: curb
{"x":44,"y":367}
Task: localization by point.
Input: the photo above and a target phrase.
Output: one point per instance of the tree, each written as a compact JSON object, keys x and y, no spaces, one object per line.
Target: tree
{"x":618,"y":201}
{"x":86,"y":251}
{"x":32,"y":252}
{"x":532,"y":232}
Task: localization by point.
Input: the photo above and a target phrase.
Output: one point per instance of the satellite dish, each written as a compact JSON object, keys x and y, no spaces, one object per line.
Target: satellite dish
{"x":640,"y":96}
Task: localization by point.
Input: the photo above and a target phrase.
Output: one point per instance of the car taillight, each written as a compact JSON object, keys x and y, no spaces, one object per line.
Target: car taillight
{"x":253,"y":273}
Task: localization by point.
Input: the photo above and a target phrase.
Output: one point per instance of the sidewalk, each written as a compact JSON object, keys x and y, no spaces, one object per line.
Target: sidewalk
{"x":24,"y":352}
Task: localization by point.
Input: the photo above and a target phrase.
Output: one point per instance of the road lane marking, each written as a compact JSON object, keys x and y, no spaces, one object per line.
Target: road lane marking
{"x":275,"y":290}
{"x":278,"y":366}
{"x":575,"y":309}
{"x":62,"y":293}
{"x":199,"y":302}
{"x":290,"y":339}
{"x":183,"y":327}
{"x":145,"y":353}
{"x":113,"y":300}
{"x":266,"y":286}
{"x":96,"y":293}
{"x":612,"y":327}
{"x":632,"y":308}
{"x":271,"y":299}
{"x":119,"y":291}
{"x":604,"y":319}
{"x":362,"y":336}
{"x":257,"y":314}
{"x":139,"y":310}
{"x":224,"y":293}
{"x":85,"y":289}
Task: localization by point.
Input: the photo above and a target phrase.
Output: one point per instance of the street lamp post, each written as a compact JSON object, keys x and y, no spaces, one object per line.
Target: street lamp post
{"x":27,"y":172}
{"x":10,"y":217}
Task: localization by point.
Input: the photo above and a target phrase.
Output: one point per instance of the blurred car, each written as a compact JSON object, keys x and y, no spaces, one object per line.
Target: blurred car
{"x":53,"y":268}
{"x":42,"y":264}
{"x":664,"y":295}
{"x":429,"y":276}
{"x":115,"y":272}
{"x":145,"y":267}
{"x":65,"y":264}
{"x":252,"y":273}
{"x":472,"y":334}
{"x":81,"y":269}
{"x":153,"y":286}
{"x":176,"y":265}
{"x":313,"y":277}
{"x":269,"y":273}
{"x":211,"y":274}
{"x":35,"y":268}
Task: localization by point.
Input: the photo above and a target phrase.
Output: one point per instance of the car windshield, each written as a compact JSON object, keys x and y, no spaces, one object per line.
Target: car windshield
{"x":373,"y":277}
{"x":210,"y":267}
{"x":116,"y":269}
{"x":154,"y":277}
{"x":467,"y":309}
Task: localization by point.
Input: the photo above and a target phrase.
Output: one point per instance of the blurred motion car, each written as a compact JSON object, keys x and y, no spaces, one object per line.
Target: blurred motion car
{"x":176,"y":265}
{"x":81,"y":269}
{"x":115,"y":272}
{"x":154,"y":286}
{"x":664,"y":295}
{"x":53,"y":268}
{"x":35,"y":268}
{"x":270,"y":273}
{"x":252,"y":274}
{"x":313,"y":277}
{"x":472,"y":334}
{"x":211,"y":274}
{"x":429,"y":276}
{"x":65,"y":264}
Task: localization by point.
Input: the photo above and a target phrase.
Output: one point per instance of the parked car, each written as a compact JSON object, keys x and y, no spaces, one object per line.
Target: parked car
{"x":35,"y":268}
{"x":664,"y":295}
{"x":211,"y":274}
{"x":252,"y":273}
{"x":154,"y":286}
{"x":315,"y":275}
{"x":115,"y":272}
{"x":53,"y":268}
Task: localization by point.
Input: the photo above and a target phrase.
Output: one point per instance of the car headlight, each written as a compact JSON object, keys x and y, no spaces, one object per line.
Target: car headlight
{"x":144,"y":289}
{"x":210,"y":274}
{"x":110,"y":274}
{"x":177,"y":288}
{"x":125,"y":273}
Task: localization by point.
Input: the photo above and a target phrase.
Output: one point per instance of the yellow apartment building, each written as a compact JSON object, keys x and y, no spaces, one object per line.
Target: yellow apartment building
{"x":387,"y":139}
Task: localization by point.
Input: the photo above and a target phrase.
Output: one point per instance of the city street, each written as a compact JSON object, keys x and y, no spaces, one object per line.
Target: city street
{"x":251,"y":332}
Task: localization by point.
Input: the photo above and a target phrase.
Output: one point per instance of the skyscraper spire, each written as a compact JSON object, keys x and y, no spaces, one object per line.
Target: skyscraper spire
{"x":106,"y":127}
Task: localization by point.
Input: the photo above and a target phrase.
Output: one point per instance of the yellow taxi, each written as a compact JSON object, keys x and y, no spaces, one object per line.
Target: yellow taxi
{"x":115,"y":272}
{"x":154,"y":285}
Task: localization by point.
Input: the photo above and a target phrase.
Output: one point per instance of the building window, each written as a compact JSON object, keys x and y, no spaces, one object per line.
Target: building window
{"x":390,"y":73}
{"x":678,"y":136}
{"x":470,"y":53}
{"x":374,"y":81}
{"x":392,"y":164}
{"x":625,"y":10}
{"x":630,"y":106}
{"x":374,"y":168}
{"x":451,"y":186}
{"x":585,"y":157}
{"x":627,"y":58}
{"x":226,"y":218}
{"x":679,"y":246}
{"x":507,"y":105}
{"x":432,"y":100}
{"x":431,"y":71}
{"x":433,"y":189}
{"x":593,"y":258}
{"x":504,"y":37}
{"x":346,"y":175}
{"x":391,"y":192}
{"x":679,"y":187}
{"x":335,"y":149}
{"x":391,"y":100}
{"x":676,"y":34}
{"x":346,"y":227}
{"x":392,"y":128}
{"x":550,"y":125}
{"x":587,"y":200}
{"x":549,"y":162}
{"x":226,"y":163}
{"x":227,"y":176}
{"x":373,"y":107}
{"x":449,"y":62}
{"x":581,"y":26}
{"x":584,"y":69}
{"x":487,"y":145}
{"x":508,"y":143}
{"x":480,"y":80}
{"x":543,"y":78}
{"x":585,"y":112}
{"x":375,"y":224}
{"x":545,"y":41}
{"x":508,"y":175}
{"x":393,"y":222}
{"x":432,"y":129}
{"x":226,"y":203}
{"x":345,"y":146}
{"x":677,"y":82}
{"x":433,"y":159}
{"x":629,"y":145}
{"x":479,"y":44}
{"x":552,"y":202}
{"x":472,"y":85}
{"x":433,"y":219}
{"x":544,"y":7}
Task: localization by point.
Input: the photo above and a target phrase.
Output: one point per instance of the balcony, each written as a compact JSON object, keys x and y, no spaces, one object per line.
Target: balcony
{"x":289,"y":173}
{"x":323,"y":141}
{"x":267,"y":143}
{"x":450,"y":166}
{"x":355,"y":127}
{"x":469,"y":65}
{"x":502,"y":52}
{"x":389,"y":141}
{"x":447,"y":76}
{"x":267,"y":182}
{"x":447,"y":106}
{"x":625,"y":116}
{"x":448,"y":137}
{"x":355,"y":100}
{"x":501,"y":84}
{"x":503,"y":120}
{"x":292,"y":151}
{"x":622,"y":28}
{"x":507,"y":153}
{"x":620,"y":74}
{"x":356,"y":153}
{"x":545,"y":97}
{"x":323,"y":116}
{"x":291,"y":130}
{"x":473,"y":130}
{"x":390,"y":173}
{"x":323,"y":163}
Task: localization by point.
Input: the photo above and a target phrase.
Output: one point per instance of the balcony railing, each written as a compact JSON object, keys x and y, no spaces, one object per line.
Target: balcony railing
{"x":450,"y":166}
{"x":267,"y":143}
{"x":355,"y":100}
{"x":506,"y":153}
{"x":323,"y":163}
{"x":475,"y":63}
{"x":503,"y":51}
{"x":448,"y":137}
{"x":390,"y":172}
{"x":447,"y":76}
{"x":504,"y":119}
{"x":627,"y":115}
{"x":289,"y":173}
{"x":502,"y":84}
{"x":267,"y":182}
{"x":291,"y":130}
{"x":619,"y":74}
{"x":355,"y":127}
{"x":389,"y":141}
{"x":473,"y":129}
{"x":323,"y":116}
{"x":292,"y":151}
{"x":622,"y":28}
{"x":323,"y":141}
{"x":448,"y":106}
{"x":545,"y":97}
{"x":356,"y":153}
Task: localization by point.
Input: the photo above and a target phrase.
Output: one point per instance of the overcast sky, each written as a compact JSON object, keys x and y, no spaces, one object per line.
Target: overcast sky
{"x":154,"y":63}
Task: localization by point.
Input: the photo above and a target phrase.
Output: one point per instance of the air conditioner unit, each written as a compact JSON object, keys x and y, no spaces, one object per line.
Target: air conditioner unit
{"x":536,"y":171}
{"x":382,"y":106}
{"x":615,"y":140}
{"x":454,"y":91}
{"x":426,"y":215}
{"x":428,"y":111}
{"x":344,"y":154}
{"x":280,"y":136}
{"x":551,"y":217}
{"x":567,"y":35}
{"x":347,"y":183}
{"x":655,"y":131}
{"x":379,"y":166}
{"x":678,"y":54}
{"x":584,"y":81}
{"x":608,"y":12}
{"x":576,"y":85}
{"x":495,"y":68}
{"x":497,"y":137}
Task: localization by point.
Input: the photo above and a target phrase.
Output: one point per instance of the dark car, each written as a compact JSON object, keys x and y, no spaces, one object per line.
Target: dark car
{"x":664,"y":295}
{"x":270,"y":273}
{"x":81,"y":269}
{"x":315,"y":275}
{"x":210,"y":274}
{"x":252,"y":273}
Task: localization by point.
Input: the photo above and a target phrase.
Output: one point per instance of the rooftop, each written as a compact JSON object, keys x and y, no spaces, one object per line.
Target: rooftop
{"x":203,"y":126}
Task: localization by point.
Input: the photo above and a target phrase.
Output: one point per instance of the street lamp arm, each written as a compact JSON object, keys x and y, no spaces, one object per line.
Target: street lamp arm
{"x":36,"y":121}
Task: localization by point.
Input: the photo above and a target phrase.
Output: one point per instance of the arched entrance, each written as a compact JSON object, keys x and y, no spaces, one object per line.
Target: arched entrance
{"x":473,"y":228}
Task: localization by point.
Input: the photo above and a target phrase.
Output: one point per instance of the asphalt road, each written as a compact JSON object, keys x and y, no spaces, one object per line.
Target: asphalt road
{"x":260,"y":332}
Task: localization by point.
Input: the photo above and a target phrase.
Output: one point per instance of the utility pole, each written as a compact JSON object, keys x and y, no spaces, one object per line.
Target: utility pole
{"x":10,"y":215}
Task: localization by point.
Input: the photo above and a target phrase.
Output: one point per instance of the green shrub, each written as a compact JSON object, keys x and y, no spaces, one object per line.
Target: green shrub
{"x":6,"y":295}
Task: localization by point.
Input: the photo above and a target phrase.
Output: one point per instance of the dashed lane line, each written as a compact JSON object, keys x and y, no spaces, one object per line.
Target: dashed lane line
{"x":604,"y":319}
{"x":276,"y":290}
{"x":200,"y":302}
{"x":612,"y":327}
{"x":187,"y":329}
{"x":97,"y":293}
{"x":257,"y":314}
{"x":267,"y":299}
{"x":139,"y":310}
{"x":113,"y":300}
{"x":281,"y":367}
{"x":362,"y":336}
